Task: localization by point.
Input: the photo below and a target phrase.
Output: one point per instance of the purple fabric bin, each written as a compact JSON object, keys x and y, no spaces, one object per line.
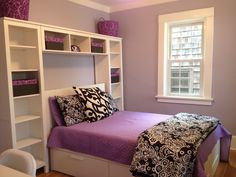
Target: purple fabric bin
{"x":108,"y":27}
{"x":15,"y":9}
{"x":25,"y":87}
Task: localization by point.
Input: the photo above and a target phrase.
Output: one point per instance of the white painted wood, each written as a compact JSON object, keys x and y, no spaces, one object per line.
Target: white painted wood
{"x":233,"y":143}
{"x":74,"y":163}
{"x":213,"y":160}
{"x":23,"y":125}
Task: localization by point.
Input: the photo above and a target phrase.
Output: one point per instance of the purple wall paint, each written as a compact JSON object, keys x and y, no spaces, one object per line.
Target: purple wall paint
{"x":66,"y":14}
{"x":139,"y":29}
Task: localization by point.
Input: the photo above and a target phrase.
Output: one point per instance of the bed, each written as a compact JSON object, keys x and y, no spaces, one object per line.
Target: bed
{"x":79,"y":150}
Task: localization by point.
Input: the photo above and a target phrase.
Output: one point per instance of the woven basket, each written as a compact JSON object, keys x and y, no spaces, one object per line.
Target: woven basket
{"x":15,"y":9}
{"x":107,"y":27}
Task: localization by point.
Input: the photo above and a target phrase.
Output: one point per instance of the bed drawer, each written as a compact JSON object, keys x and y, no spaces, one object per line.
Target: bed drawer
{"x":213,"y":160}
{"x":79,"y":165}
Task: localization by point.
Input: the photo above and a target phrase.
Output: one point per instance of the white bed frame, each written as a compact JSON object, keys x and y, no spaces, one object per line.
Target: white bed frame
{"x":83,"y":165}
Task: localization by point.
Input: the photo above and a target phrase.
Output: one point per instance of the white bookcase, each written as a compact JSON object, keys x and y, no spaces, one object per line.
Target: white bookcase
{"x":21,"y":105}
{"x":22,"y":45}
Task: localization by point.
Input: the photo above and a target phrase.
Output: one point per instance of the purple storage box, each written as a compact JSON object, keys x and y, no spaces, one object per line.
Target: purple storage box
{"x":115,"y":75}
{"x":97,"y":46}
{"x":108,"y":27}
{"x":25,"y":87}
{"x":15,"y":9}
{"x":54,"y":43}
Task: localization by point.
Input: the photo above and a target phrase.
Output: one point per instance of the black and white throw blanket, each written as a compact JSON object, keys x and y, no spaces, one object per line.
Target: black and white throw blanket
{"x":169,"y":148}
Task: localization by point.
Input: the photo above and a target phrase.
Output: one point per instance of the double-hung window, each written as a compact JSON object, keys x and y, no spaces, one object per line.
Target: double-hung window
{"x":185,"y":57}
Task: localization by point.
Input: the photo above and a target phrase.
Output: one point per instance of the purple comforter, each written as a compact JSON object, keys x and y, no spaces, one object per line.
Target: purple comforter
{"x":115,"y":137}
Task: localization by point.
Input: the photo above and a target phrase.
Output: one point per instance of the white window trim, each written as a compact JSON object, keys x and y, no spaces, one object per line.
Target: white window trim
{"x":207,"y":15}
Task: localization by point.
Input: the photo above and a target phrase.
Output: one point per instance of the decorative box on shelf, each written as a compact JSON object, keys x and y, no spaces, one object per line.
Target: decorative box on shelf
{"x":25,"y":87}
{"x":97,"y":46}
{"x":54,"y":43}
{"x":115,"y":75}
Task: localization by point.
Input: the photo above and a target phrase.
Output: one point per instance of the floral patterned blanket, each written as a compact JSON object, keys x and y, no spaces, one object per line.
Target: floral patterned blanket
{"x":169,"y":148}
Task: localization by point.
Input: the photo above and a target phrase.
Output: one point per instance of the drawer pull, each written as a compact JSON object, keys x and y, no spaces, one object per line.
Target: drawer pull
{"x":76,"y":157}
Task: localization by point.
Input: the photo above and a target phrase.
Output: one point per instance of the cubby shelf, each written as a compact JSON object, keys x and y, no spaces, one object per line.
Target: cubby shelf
{"x":73,"y":53}
{"x":39,"y":163}
{"x":26,"y":96}
{"x":26,"y":118}
{"x":25,"y":70}
{"x":20,"y":47}
{"x":27,"y":142}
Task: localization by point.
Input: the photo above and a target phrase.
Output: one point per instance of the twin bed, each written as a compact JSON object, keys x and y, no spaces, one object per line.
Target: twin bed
{"x":105,"y":148}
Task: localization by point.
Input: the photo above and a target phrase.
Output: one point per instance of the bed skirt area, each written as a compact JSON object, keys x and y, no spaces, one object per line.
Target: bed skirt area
{"x":83,"y":165}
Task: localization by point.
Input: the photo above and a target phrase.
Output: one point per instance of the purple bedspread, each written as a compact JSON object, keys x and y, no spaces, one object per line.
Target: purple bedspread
{"x":115,"y":137}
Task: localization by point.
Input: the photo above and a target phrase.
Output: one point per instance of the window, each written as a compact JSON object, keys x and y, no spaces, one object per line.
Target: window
{"x":185,"y":57}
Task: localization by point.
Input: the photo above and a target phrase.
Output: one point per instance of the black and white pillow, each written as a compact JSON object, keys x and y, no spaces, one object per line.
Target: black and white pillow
{"x":71,"y":108}
{"x":97,"y":105}
{"x":110,"y":100}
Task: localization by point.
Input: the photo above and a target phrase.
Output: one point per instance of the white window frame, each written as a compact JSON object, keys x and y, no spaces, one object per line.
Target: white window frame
{"x":207,"y":17}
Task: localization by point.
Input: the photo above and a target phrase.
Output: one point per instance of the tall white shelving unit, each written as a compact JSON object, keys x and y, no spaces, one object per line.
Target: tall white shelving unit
{"x":22,"y":45}
{"x":22,"y":114}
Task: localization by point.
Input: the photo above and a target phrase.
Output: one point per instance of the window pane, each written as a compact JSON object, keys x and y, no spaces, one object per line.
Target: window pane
{"x":185,"y":77}
{"x":186,"y":41}
{"x":184,"y":83}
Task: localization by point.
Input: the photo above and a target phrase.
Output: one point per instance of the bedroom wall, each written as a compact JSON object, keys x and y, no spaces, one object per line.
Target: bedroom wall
{"x":138,"y":27}
{"x":66,"y":14}
{"x":76,"y":70}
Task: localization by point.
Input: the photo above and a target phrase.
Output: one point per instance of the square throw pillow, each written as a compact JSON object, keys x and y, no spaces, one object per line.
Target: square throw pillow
{"x":97,"y":106}
{"x":71,"y":108}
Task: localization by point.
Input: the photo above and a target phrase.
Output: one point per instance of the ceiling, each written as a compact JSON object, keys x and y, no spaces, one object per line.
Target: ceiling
{"x":114,"y":2}
{"x":118,"y":5}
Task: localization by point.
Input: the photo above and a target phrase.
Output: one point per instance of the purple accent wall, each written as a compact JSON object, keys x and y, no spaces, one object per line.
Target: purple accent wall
{"x":66,"y":14}
{"x":139,"y":30}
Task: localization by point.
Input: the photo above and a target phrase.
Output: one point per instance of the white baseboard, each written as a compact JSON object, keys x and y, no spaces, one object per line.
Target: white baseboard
{"x":233,"y":142}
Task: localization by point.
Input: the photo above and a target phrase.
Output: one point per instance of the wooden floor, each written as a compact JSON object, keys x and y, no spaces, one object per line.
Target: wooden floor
{"x":223,"y":170}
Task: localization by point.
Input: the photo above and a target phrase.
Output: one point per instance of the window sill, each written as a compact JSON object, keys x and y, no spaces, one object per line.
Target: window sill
{"x":185,"y":100}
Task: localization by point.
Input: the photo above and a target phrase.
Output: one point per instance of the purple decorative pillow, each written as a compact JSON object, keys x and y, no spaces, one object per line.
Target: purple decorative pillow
{"x":56,"y":112}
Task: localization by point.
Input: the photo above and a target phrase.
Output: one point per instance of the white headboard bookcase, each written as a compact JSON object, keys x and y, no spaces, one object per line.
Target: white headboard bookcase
{"x":39,"y":60}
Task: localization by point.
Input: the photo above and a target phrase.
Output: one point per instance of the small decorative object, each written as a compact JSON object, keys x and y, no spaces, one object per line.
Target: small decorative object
{"x":107,"y":27}
{"x":97,"y":46}
{"x":15,"y":9}
{"x":54,"y":43}
{"x":75,"y":48}
{"x":25,"y":87}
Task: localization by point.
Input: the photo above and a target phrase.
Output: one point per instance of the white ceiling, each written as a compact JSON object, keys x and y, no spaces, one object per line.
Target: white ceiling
{"x":118,"y":5}
{"x":114,"y":2}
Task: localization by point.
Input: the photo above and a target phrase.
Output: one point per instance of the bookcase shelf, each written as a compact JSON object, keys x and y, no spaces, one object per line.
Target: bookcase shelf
{"x":27,"y":142}
{"x":26,"y":118}
{"x":21,"y":66}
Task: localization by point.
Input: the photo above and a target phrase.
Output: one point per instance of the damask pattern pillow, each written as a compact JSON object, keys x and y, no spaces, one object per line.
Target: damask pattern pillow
{"x":71,"y":108}
{"x":97,"y":106}
{"x":111,"y":101}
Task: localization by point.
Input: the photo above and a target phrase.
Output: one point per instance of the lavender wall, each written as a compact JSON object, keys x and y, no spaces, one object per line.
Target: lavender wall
{"x":61,"y":70}
{"x":65,"y":13}
{"x":138,"y":27}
